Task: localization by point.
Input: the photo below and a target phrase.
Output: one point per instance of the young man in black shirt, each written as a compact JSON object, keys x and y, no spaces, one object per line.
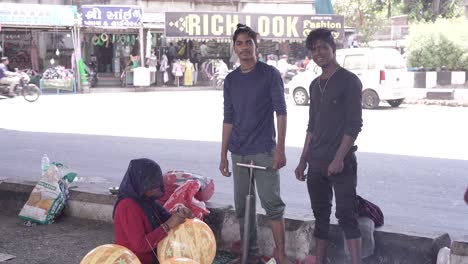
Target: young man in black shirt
{"x":335,"y":120}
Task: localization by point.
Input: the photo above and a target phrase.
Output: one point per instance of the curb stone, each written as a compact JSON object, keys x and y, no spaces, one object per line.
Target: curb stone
{"x":453,"y":103}
{"x":390,"y":247}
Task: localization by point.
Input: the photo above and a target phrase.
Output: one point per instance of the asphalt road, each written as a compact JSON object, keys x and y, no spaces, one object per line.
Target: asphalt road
{"x":412,"y":160}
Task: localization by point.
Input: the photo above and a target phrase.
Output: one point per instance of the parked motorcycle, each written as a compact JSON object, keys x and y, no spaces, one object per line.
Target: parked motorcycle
{"x":218,"y":79}
{"x":292,"y":71}
{"x":29,"y":91}
{"x":92,"y":70}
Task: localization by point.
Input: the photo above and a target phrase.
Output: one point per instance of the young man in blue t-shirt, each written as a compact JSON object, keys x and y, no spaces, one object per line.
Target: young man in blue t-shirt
{"x":252,"y":93}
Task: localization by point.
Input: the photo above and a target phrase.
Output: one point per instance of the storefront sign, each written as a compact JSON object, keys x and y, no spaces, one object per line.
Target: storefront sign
{"x":37,"y":15}
{"x":153,"y":20}
{"x":269,"y":26}
{"x":111,"y":16}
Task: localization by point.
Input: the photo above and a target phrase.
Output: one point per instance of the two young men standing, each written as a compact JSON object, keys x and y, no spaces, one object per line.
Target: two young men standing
{"x":252,"y":93}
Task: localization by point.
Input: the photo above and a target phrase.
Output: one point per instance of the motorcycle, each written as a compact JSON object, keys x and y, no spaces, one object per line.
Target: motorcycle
{"x":29,"y":91}
{"x":218,"y":79}
{"x":92,"y":70}
{"x":292,"y":71}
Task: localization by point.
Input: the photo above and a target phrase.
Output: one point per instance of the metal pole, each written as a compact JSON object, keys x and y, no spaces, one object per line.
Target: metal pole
{"x":248,"y":204}
{"x":76,"y":40}
{"x":142,"y":52}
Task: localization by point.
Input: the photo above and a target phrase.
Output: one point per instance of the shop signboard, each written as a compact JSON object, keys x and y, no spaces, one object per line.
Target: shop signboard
{"x":37,"y":15}
{"x":269,"y":26}
{"x":153,"y":20}
{"x":111,"y":16}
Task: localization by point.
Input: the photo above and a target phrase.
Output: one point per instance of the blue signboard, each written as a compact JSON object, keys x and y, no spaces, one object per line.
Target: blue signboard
{"x":37,"y":15}
{"x":111,"y":16}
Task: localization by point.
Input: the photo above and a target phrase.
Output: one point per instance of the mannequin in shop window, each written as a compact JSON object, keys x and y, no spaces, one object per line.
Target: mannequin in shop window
{"x":152,"y":62}
{"x":177,"y":72}
{"x":163,"y":68}
{"x":188,"y":73}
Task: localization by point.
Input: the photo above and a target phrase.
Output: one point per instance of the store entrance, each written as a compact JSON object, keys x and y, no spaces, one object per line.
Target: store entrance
{"x":105,"y":57}
{"x":112,"y":53}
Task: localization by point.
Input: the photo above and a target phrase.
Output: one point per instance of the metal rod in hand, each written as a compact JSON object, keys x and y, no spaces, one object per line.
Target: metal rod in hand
{"x":248,"y":203}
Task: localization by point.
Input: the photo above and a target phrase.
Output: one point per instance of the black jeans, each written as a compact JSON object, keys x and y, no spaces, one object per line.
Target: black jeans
{"x":321,"y":187}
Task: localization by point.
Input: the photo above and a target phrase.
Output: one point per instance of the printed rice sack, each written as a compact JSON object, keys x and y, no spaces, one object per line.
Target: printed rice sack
{"x":49,"y":196}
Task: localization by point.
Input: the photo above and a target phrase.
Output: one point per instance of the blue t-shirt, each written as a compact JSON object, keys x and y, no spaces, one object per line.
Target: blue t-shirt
{"x":3,"y":69}
{"x":249,"y":102}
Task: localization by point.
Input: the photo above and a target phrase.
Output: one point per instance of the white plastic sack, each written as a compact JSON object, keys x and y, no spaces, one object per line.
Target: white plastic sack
{"x":49,"y":196}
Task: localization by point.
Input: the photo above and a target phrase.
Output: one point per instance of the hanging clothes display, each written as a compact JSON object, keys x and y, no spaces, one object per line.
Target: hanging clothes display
{"x":149,"y":42}
{"x":188,"y":73}
{"x":34,"y":56}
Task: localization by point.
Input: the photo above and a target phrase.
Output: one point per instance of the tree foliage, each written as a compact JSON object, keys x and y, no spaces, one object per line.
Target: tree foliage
{"x":440,"y":44}
{"x":430,"y":10}
{"x":366,"y":16}
{"x":370,"y":16}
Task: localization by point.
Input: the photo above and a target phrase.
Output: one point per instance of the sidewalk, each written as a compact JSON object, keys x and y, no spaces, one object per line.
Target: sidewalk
{"x":152,"y":89}
{"x":419,"y":96}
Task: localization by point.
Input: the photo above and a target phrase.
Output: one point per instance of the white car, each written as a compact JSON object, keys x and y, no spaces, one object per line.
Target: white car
{"x":299,"y":84}
{"x":382,"y":72}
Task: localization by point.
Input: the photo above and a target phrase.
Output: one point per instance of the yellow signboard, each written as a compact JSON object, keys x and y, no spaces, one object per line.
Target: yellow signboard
{"x":269,"y":26}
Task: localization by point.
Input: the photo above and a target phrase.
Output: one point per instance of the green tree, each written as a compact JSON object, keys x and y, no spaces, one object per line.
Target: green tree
{"x":366,"y":16}
{"x":433,"y":47}
{"x":430,"y":10}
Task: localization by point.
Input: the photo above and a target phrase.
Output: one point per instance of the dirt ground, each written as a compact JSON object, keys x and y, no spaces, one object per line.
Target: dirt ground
{"x":65,"y":241}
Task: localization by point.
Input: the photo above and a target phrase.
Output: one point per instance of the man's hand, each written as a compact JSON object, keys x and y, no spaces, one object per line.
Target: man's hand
{"x":335,"y":167}
{"x":299,"y":171}
{"x":279,"y":159}
{"x":224,"y":167}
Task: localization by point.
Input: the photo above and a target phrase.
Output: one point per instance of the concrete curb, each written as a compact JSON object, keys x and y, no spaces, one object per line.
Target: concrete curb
{"x":390,"y":246}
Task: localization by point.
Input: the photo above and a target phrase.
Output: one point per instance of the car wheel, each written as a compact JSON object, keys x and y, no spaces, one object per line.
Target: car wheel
{"x":370,"y":99}
{"x":301,"y":97}
{"x":395,"y":103}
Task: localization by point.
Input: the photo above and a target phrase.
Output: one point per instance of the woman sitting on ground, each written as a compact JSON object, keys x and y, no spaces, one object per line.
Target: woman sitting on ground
{"x":140,"y":222}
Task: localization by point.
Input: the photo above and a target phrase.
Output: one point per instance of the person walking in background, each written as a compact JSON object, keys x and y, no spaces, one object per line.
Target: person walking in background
{"x":252,"y":93}
{"x":260,"y":57}
{"x":283,"y":65}
{"x":305,"y":62}
{"x":204,"y":50}
{"x":335,"y":120}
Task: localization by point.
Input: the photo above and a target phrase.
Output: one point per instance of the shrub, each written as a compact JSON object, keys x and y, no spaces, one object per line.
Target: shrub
{"x":437,"y":45}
